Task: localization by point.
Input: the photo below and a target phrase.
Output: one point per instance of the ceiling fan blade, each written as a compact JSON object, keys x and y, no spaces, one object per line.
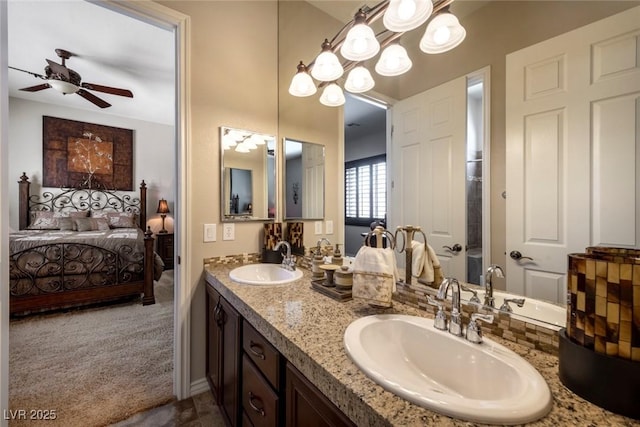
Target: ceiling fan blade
{"x":36,"y":88}
{"x":108,"y":89}
{"x":40,"y":76}
{"x":58,"y":69}
{"x":92,"y":98}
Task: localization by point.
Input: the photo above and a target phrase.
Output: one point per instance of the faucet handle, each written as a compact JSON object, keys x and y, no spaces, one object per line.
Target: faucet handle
{"x":506,"y":307}
{"x":440,"y":321}
{"x":480,"y":316}
{"x":474,"y":332}
{"x":474,"y":298}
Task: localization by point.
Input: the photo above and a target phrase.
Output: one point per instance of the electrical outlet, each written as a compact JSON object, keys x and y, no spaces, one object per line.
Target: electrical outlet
{"x":318,"y":225}
{"x":210,"y":233}
{"x":328,"y":226}
{"x":228,"y":231}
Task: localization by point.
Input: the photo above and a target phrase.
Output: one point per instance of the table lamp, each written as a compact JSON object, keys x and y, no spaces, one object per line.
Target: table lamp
{"x":163,"y":210}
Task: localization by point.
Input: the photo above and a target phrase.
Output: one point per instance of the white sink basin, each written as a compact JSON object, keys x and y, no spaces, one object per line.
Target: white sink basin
{"x":264,"y":274}
{"x":535,"y":311}
{"x":482,"y":383}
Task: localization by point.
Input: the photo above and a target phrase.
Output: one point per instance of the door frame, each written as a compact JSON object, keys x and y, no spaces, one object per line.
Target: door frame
{"x":179,"y":23}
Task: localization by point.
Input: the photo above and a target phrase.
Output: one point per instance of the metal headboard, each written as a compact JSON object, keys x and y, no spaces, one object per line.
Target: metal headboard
{"x":80,"y":199}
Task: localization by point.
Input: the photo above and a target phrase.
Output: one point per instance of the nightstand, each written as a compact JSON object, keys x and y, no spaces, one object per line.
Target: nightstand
{"x":164,"y":248}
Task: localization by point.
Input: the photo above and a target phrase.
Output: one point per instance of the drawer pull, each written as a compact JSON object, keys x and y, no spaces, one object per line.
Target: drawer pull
{"x":260,"y":353}
{"x":259,"y":410}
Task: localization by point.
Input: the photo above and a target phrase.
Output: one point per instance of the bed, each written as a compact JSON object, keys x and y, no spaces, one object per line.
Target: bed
{"x":80,"y":246}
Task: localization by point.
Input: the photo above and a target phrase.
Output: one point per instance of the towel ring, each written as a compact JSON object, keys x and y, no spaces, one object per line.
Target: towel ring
{"x":379,"y":232}
{"x":409,"y":229}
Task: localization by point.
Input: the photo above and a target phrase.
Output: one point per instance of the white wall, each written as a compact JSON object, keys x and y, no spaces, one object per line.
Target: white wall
{"x":153,"y":152}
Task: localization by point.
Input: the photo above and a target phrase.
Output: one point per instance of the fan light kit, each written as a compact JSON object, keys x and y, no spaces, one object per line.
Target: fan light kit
{"x":360,"y":44}
{"x":66,"y":81}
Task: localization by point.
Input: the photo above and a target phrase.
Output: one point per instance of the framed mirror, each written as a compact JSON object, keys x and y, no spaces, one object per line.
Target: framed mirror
{"x":248,"y":175}
{"x":303,"y":180}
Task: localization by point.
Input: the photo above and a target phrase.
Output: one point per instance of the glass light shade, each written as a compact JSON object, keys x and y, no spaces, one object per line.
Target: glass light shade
{"x":393,"y":61}
{"x":248,"y":142}
{"x":332,"y":96}
{"x":327,"y":67}
{"x":62,"y":86}
{"x":360,"y":43}
{"x":405,"y":15}
{"x":302,"y":84}
{"x":359,"y":80}
{"x":257,"y":139}
{"x":242,"y":148}
{"x":443,"y":33}
{"x":228,"y":140}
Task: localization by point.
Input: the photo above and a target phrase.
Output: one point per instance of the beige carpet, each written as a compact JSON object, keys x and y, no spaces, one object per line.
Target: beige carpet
{"x":93,"y":366}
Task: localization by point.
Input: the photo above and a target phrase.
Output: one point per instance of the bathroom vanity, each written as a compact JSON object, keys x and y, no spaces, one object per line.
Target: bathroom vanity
{"x":300,"y":333}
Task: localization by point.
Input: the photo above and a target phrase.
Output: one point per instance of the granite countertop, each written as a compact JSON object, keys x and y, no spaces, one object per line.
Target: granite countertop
{"x":308,"y":327}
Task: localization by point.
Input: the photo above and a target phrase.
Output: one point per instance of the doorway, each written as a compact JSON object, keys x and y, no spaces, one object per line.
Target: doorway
{"x":177,"y":23}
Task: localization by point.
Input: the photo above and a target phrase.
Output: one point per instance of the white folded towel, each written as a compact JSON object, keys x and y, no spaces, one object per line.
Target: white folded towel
{"x":423,"y":264}
{"x":374,"y":275}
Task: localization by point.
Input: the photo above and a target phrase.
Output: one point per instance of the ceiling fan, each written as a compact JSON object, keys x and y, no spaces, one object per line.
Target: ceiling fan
{"x":67,"y":81}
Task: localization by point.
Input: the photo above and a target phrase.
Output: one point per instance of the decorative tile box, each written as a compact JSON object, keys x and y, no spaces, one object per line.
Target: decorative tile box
{"x":604,"y":301}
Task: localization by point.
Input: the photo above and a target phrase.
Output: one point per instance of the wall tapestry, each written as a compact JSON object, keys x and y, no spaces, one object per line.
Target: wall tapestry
{"x":86,"y":155}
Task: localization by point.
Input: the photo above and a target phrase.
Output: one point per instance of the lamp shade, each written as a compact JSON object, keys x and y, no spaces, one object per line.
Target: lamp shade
{"x":393,"y":61}
{"x":327,"y":66}
{"x":163,"y":207}
{"x":360,"y":43}
{"x":359,"y":80}
{"x":405,"y":15}
{"x":302,"y":83}
{"x":443,"y":33}
{"x":332,"y":96}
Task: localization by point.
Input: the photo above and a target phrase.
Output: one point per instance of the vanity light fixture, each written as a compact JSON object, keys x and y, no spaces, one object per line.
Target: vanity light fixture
{"x":393,"y":61}
{"x":332,"y":96}
{"x":359,"y":80}
{"x":443,"y":33}
{"x":361,"y":42}
{"x":302,"y":83}
{"x":327,"y":66}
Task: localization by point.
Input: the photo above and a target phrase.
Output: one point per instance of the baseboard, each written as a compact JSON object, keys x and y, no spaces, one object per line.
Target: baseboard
{"x":199,"y":386}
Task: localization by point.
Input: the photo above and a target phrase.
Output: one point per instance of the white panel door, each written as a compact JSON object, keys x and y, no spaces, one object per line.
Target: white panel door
{"x":428,"y":170}
{"x":313,"y":170}
{"x":573,"y":149}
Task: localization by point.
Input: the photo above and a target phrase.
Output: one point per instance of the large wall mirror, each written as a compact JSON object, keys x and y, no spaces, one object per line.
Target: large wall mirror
{"x":303,"y":180}
{"x":248,"y":179}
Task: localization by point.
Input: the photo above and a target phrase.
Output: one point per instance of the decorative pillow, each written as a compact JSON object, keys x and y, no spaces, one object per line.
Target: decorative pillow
{"x":67,"y":224}
{"x":118,"y":219}
{"x":47,"y":220}
{"x":91,"y":224}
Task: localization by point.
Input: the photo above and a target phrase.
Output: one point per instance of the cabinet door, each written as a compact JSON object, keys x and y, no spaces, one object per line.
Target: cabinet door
{"x":306,"y":406}
{"x":231,"y":350}
{"x":214,"y":342}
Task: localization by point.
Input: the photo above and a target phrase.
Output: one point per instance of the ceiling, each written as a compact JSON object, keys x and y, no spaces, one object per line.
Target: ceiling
{"x":108,"y":49}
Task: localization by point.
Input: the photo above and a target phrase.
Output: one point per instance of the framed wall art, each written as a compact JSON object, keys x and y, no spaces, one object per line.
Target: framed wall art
{"x":86,"y":155}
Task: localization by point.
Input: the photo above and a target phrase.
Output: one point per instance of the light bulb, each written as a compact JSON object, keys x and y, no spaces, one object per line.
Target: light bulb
{"x":406,"y":9}
{"x":359,"y":45}
{"x":441,"y":35}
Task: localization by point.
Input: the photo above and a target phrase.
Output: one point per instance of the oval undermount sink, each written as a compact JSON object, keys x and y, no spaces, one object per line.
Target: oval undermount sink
{"x":264,"y":274}
{"x":483,"y":383}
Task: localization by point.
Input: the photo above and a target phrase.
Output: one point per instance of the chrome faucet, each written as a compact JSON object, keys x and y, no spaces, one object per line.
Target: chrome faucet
{"x":288,"y":261}
{"x":455,"y":324}
{"x":488,"y":285}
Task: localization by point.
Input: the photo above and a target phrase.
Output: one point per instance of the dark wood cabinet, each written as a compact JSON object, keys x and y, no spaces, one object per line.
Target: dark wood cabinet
{"x":248,"y":378}
{"x":164,"y":248}
{"x":224,"y":335}
{"x":306,"y":406}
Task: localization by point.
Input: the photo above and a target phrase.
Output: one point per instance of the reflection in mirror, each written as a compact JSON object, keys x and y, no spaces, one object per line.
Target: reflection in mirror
{"x":248,"y":175}
{"x":304,"y":180}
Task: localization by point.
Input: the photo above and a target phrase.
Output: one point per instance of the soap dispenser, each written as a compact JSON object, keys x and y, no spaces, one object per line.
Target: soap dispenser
{"x":316,"y":262}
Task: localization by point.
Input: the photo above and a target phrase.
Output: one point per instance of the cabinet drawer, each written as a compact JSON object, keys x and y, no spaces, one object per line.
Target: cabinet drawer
{"x":259,"y":401}
{"x":262,"y":353}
